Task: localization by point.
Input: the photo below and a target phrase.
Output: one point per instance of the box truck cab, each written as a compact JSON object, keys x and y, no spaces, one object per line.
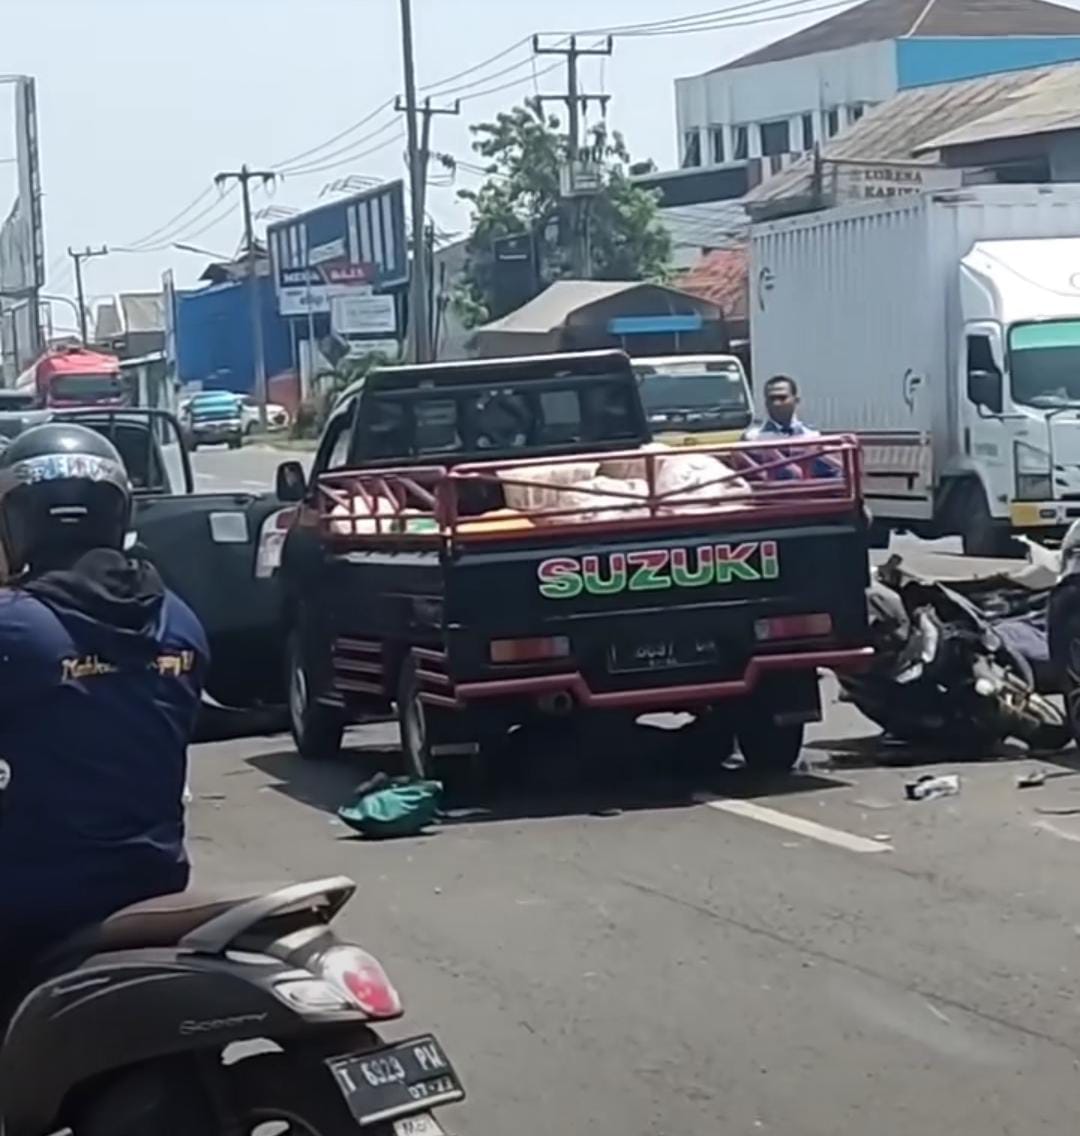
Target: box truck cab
{"x":944,"y":330}
{"x":694,"y":400}
{"x":74,"y":376}
{"x":1020,"y":300}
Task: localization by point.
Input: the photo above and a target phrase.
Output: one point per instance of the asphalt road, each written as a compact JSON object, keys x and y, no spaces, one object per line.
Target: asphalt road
{"x":251,"y":468}
{"x":813,"y":958}
{"x":647,"y":955}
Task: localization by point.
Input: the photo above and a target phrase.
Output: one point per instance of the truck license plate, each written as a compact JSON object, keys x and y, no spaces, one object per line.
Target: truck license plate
{"x":662,"y":654}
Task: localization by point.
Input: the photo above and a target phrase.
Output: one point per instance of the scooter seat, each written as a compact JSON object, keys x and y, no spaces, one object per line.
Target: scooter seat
{"x":162,"y":921}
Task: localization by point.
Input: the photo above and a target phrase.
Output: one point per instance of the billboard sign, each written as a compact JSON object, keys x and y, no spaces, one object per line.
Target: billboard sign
{"x":338,"y":249}
{"x":22,"y":245}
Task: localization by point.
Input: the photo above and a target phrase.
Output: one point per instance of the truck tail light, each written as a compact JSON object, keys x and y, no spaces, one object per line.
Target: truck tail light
{"x":530,"y":650}
{"x":271,"y":541}
{"x":816,"y":626}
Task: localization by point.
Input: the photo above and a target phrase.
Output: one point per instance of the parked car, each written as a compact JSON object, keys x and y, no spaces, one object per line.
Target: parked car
{"x":213,"y":417}
{"x":277,"y":417}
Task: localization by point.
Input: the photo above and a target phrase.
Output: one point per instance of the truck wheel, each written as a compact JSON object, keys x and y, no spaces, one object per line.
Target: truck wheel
{"x":980,"y":533}
{"x":317,"y":730}
{"x":767,"y":747}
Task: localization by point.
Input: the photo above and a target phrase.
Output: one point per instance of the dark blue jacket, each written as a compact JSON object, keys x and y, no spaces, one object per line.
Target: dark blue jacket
{"x":101,"y":672}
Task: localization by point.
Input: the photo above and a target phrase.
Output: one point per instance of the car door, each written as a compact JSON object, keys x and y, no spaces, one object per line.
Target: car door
{"x":311,"y":578}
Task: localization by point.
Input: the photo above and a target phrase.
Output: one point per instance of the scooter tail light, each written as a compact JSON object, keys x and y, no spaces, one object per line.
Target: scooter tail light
{"x":361,"y":978}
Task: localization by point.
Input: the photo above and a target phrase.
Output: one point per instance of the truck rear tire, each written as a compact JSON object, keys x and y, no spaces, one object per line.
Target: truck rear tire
{"x":317,"y":730}
{"x":766,"y":746}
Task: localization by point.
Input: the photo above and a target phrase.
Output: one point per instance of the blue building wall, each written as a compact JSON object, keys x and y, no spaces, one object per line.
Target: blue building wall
{"x":921,"y":62}
{"x":213,"y":336}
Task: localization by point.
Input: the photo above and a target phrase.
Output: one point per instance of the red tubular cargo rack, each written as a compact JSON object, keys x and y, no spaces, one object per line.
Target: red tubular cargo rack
{"x":764,"y":481}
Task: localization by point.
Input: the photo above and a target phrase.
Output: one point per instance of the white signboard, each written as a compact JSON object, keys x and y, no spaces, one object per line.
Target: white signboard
{"x":872,"y":181}
{"x":363,"y":315}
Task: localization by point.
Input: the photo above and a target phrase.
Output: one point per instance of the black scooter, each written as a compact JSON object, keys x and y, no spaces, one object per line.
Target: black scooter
{"x":133,"y":1029}
{"x":943,"y":675}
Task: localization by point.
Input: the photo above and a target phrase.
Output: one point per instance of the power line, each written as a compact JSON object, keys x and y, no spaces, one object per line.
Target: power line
{"x":173,"y":220}
{"x":760,"y":12}
{"x":288,"y":170}
{"x":345,"y":161}
{"x":516,"y":83}
{"x":337,"y":137}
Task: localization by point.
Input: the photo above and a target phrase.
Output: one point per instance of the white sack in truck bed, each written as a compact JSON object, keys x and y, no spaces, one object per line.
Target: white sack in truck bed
{"x":602,"y":490}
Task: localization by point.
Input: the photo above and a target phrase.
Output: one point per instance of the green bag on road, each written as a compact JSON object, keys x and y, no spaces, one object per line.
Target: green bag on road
{"x":387,"y":807}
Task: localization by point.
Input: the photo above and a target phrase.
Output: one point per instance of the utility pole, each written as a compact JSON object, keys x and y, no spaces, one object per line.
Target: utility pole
{"x":78,"y":257}
{"x":576,"y":102}
{"x":418,"y":147}
{"x":244,"y":176}
{"x":419,"y":310}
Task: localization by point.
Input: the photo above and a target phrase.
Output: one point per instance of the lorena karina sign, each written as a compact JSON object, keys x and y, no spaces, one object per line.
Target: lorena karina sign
{"x":564,"y":577}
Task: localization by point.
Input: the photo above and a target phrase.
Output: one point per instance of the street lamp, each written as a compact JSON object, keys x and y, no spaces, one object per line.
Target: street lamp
{"x":200,"y":251}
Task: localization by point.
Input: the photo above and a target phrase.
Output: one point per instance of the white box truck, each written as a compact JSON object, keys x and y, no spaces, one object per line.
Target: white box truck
{"x":944,"y":330}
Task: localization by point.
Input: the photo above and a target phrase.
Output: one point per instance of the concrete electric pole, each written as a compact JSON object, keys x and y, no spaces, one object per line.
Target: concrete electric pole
{"x":244,"y":176}
{"x":418,"y":154}
{"x":78,"y":258}
{"x":419,"y":313}
{"x":576,"y":102}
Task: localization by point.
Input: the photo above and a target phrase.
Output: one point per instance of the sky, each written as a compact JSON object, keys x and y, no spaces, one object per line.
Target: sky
{"x":141,"y":102}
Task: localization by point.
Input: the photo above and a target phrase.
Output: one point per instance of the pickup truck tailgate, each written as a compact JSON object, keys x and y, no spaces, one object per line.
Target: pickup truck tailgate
{"x":668,"y":609}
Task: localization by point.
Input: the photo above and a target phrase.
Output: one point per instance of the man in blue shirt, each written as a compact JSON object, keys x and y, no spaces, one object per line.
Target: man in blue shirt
{"x":101,"y":672}
{"x":781,"y":404}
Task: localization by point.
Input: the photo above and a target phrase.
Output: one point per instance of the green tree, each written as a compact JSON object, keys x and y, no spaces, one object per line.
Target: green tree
{"x":525,"y":152}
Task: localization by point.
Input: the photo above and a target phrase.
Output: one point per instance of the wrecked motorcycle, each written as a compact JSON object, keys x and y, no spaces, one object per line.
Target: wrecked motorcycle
{"x":947,"y":673}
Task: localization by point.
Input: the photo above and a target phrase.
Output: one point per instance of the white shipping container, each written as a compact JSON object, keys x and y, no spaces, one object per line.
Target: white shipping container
{"x":861,"y":305}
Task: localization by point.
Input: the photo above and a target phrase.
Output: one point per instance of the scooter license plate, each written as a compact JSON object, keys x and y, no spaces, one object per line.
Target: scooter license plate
{"x":398,"y":1081}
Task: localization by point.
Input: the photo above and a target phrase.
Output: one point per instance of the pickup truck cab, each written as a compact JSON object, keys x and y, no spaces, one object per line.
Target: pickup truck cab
{"x":691,"y":400}
{"x":482,"y":544}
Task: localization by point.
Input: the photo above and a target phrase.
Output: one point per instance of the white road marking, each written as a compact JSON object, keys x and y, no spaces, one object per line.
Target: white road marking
{"x":808,"y":828}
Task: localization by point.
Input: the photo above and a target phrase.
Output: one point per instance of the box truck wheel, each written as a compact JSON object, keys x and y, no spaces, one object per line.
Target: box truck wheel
{"x":980,"y":533}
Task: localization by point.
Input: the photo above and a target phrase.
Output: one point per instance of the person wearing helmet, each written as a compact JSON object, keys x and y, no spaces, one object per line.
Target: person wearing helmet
{"x":101,"y":673}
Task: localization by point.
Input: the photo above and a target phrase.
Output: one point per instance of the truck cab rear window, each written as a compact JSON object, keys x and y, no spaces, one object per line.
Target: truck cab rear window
{"x":429,"y":422}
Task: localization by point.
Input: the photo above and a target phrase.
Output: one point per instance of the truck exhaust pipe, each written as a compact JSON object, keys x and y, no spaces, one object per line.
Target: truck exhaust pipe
{"x":557,"y":705}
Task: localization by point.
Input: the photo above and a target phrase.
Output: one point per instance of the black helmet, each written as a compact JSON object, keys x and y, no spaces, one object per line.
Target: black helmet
{"x":63,"y":489}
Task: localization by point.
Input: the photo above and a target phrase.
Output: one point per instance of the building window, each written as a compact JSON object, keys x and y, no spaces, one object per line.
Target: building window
{"x":741,"y":145}
{"x":832,"y":121}
{"x":854,"y":113}
{"x":691,"y":149}
{"x":716,"y":144}
{"x":807,"y":131}
{"x":775,"y":138}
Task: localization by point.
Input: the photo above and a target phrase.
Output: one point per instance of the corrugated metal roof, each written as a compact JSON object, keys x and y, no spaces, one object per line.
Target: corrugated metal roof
{"x":713,"y":224}
{"x":1049,"y":103}
{"x":877,"y":20}
{"x":902,"y":126}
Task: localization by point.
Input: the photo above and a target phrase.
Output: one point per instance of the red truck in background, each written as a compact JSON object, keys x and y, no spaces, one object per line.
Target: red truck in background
{"x":74,"y":376}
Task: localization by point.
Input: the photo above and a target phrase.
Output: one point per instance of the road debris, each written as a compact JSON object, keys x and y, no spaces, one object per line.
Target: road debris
{"x":928,"y":787}
{"x":1033,"y":779}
